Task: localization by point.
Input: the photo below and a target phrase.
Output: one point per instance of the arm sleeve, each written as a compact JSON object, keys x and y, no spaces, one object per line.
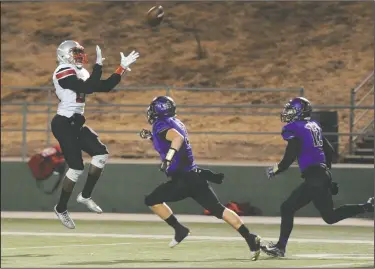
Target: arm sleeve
{"x":288,"y":133}
{"x":290,"y":155}
{"x":109,"y":83}
{"x":68,"y":79}
{"x":328,"y":152}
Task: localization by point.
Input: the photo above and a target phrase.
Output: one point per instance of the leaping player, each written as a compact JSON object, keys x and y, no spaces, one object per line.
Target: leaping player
{"x":72,"y":83}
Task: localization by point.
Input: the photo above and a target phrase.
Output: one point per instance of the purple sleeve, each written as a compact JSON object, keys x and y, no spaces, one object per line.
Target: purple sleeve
{"x":288,"y":132}
{"x":160,"y":127}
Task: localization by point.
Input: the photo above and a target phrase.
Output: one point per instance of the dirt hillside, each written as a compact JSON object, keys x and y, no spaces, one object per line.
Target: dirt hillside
{"x":324,"y":47}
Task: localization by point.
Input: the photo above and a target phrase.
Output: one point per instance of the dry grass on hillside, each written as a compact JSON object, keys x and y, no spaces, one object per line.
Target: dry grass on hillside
{"x":325,"y":47}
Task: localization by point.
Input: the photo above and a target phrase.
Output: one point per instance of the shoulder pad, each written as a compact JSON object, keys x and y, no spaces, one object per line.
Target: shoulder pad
{"x":64,"y":66}
{"x":85,"y":72}
{"x":65,"y":70}
{"x":288,"y":132}
{"x":160,"y":126}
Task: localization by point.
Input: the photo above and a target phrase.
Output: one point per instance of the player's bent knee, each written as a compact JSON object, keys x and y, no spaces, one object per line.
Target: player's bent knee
{"x":73,"y":174}
{"x":149,"y":201}
{"x":328,"y":219}
{"x":218,"y":211}
{"x":99,"y":160}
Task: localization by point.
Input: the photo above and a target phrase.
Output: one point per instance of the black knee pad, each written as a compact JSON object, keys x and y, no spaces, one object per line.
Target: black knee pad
{"x":218,"y":210}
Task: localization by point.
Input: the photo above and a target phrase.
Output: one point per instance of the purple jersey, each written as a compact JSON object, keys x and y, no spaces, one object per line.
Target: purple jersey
{"x":309,"y":134}
{"x":183,"y":160}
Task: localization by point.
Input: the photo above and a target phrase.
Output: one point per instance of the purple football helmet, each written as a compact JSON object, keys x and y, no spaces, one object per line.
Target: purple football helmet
{"x":298,"y":108}
{"x":161,"y":107}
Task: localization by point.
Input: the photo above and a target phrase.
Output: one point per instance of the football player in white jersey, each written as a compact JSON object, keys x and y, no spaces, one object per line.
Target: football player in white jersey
{"x":72,"y":83}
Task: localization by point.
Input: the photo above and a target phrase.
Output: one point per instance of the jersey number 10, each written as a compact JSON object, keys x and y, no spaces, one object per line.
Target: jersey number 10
{"x":316,"y":135}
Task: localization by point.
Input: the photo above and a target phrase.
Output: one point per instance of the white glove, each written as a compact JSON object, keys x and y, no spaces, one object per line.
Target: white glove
{"x":127,"y":61}
{"x":99,"y":58}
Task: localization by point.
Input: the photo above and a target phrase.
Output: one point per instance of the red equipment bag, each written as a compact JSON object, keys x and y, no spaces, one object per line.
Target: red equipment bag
{"x":242,"y":209}
{"x":42,"y":166}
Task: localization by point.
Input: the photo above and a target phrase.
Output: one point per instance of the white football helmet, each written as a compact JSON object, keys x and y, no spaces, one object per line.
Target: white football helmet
{"x":71,"y":52}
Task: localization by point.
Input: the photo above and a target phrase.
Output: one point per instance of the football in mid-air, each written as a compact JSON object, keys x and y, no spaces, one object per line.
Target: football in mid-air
{"x":155,"y":16}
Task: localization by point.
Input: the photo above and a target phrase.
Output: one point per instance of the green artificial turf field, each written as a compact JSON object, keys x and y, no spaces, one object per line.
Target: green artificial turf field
{"x":46,"y":243}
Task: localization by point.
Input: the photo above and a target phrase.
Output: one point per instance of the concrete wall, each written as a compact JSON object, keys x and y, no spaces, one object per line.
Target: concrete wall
{"x":123,"y":187}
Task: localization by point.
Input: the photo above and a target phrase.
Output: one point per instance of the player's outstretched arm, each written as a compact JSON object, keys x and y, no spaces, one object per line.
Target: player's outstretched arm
{"x":289,"y":157}
{"x":108,"y":84}
{"x":68,"y":79}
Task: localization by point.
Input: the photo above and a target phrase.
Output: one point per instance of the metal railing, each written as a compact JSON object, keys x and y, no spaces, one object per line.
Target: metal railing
{"x":48,"y":108}
{"x":26,"y":108}
{"x":355,"y":121}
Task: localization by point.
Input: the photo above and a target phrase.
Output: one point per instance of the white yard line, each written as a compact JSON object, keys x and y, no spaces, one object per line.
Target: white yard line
{"x":208,"y":238}
{"x":183,"y":218}
{"x":95,"y":245}
{"x":338,"y":265}
{"x":62,"y":246}
{"x":338,"y":256}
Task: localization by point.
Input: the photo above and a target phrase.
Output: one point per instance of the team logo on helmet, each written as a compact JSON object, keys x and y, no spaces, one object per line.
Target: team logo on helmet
{"x":161,"y":107}
{"x":296,"y":109}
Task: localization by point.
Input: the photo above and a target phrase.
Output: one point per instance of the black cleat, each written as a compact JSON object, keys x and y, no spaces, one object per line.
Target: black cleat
{"x":273,"y":250}
{"x":180,"y":234}
{"x":369,"y":206}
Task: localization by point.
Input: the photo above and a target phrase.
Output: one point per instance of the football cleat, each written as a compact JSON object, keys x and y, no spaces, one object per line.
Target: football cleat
{"x":65,"y":218}
{"x":180,"y":235}
{"x":369,"y":206}
{"x":273,"y":250}
{"x":255,"y":252}
{"x":91,"y":205}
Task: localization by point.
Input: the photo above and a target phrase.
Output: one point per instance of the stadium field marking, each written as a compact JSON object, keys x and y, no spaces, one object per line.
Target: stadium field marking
{"x":336,"y":256}
{"x":317,"y":256}
{"x":338,"y":265}
{"x":75,"y":245}
{"x":100,"y":244}
{"x":208,"y":238}
{"x":184,"y":218}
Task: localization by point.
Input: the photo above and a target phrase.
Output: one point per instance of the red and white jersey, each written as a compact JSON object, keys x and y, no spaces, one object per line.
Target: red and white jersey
{"x":70,"y":101}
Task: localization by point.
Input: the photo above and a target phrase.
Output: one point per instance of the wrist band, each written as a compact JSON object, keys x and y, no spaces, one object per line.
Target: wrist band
{"x":170,"y":154}
{"x":120,"y":70}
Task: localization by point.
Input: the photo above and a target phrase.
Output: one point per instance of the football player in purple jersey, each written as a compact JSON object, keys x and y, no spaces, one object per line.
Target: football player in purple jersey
{"x":170,"y":139}
{"x":314,"y":154}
